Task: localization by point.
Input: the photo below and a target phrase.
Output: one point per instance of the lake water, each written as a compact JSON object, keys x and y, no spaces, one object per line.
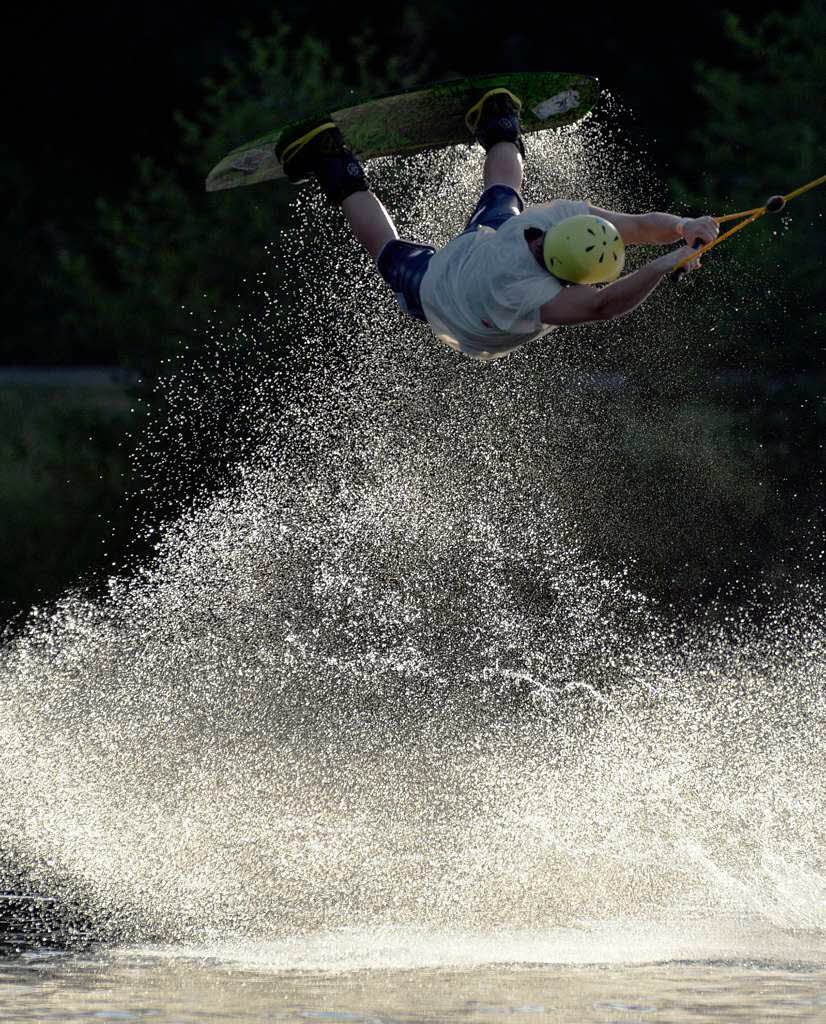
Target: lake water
{"x":428,"y":978}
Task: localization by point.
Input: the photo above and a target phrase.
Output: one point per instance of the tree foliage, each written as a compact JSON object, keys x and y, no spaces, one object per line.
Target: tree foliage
{"x":765,"y":133}
{"x":172,"y":250}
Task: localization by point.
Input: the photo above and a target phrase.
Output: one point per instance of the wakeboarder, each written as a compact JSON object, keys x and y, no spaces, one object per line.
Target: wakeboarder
{"x":515,"y":272}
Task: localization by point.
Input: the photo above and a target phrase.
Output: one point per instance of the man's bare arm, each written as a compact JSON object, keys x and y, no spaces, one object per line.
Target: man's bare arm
{"x":659,"y":228}
{"x":579,"y":303}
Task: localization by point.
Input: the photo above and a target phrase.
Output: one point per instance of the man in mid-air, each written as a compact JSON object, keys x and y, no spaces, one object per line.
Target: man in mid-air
{"x":514,"y":273}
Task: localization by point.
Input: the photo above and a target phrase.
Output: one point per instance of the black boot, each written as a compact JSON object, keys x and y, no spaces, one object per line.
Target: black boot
{"x":495,"y":118}
{"x":320,"y":151}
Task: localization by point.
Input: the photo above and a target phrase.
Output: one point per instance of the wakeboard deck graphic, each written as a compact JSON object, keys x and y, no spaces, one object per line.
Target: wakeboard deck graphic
{"x":427,"y":117}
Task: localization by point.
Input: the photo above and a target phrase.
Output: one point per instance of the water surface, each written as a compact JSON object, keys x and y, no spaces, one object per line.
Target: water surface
{"x":251,"y":983}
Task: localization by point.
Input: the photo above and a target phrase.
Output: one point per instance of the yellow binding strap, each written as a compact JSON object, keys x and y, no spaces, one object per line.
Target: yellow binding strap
{"x":475,"y":112}
{"x":296,"y":144}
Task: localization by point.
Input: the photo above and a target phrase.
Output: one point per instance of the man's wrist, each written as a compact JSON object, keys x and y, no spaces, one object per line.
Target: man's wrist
{"x":679,"y":227}
{"x":665,"y":264}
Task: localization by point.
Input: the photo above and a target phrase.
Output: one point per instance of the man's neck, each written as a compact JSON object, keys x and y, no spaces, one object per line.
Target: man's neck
{"x":534,"y":237}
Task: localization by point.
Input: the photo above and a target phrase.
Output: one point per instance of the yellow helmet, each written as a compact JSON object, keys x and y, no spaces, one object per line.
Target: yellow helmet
{"x":584,"y":249}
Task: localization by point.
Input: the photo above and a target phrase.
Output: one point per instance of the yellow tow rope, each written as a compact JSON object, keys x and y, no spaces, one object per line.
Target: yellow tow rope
{"x":773,"y":205}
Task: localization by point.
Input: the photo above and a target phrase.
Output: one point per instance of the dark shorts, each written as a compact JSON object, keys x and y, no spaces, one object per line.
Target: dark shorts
{"x":403,"y":264}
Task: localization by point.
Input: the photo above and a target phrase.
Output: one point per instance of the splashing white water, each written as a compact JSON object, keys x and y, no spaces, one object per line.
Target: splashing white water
{"x":374,"y":684}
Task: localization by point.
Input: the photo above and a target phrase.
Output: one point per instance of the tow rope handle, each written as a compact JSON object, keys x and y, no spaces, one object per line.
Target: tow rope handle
{"x":679,"y":272}
{"x":773,"y":205}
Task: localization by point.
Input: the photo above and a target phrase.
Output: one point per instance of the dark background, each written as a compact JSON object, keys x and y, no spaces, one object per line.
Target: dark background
{"x":78,"y":69}
{"x":108,"y":233}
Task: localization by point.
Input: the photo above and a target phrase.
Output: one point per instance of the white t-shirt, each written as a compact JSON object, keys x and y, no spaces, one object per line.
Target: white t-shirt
{"x":481,"y":292}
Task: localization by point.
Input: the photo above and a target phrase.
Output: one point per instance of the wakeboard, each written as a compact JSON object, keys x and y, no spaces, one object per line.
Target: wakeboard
{"x":427,"y":117}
